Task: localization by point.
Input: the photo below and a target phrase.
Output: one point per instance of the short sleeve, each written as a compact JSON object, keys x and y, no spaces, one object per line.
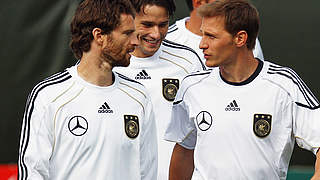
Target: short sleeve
{"x":181,"y":128}
{"x":307,"y":127}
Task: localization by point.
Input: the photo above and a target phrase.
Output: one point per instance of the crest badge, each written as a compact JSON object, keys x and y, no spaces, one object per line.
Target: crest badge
{"x":131,"y":126}
{"x":170,"y":88}
{"x":262,"y":125}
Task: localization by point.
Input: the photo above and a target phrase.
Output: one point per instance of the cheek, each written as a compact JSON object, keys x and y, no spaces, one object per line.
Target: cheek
{"x":163,"y":32}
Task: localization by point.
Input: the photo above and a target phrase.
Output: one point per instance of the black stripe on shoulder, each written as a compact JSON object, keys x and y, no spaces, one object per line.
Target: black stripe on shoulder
{"x":55,"y":79}
{"x":171,"y":44}
{"x":290,"y":74}
{"x":306,"y":106}
{"x":172,"y":26}
{"x":197,"y":82}
{"x":177,"y":102}
{"x":199,"y":74}
{"x":127,"y":78}
{"x":172,"y":30}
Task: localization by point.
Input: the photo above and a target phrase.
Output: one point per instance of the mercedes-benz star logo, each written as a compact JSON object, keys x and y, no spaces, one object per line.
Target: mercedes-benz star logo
{"x":204,"y":120}
{"x":78,"y":125}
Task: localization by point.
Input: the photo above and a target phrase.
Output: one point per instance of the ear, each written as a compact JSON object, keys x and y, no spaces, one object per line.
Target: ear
{"x":97,"y":36}
{"x":197,"y":3}
{"x":240,"y":39}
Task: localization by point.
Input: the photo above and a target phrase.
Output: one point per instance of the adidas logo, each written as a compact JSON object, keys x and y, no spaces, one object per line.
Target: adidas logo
{"x":143,"y":75}
{"x":105,"y":108}
{"x":233,"y":106}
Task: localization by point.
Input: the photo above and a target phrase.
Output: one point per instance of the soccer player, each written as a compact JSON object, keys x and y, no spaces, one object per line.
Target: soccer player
{"x":160,"y":65}
{"x":241,"y":120}
{"x":186,"y":31}
{"x":88,"y":122}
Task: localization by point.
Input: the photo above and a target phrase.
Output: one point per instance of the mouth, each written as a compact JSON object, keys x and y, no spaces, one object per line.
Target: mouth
{"x":152,"y":42}
{"x":206,"y":56}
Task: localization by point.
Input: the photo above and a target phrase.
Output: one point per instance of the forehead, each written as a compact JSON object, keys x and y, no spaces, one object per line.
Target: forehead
{"x":152,"y":12}
{"x":126,"y":22}
{"x":213,"y":24}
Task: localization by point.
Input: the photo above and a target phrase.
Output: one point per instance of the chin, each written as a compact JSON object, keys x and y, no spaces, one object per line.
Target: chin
{"x":211,"y":64}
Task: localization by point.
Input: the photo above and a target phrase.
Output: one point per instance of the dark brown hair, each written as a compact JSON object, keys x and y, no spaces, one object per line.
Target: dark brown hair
{"x":238,"y":15}
{"x":90,"y":14}
{"x":169,"y":5}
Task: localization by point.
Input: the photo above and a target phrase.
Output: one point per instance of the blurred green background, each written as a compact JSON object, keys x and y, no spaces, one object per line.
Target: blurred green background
{"x":34,"y":38}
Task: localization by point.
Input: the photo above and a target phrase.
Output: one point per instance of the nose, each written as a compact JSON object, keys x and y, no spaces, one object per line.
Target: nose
{"x":134,"y":39}
{"x":155,"y":34}
{"x":203,"y":44}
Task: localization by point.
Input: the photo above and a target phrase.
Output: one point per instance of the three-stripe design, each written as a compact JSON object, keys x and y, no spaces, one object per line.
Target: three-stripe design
{"x":171,"y":44}
{"x":105,"y":106}
{"x":126,"y":78}
{"x":172,"y":28}
{"x":143,"y":75}
{"x":312,"y":101}
{"x":233,"y":106}
{"x":25,"y":130}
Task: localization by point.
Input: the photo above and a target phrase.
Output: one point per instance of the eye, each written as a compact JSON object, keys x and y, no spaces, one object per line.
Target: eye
{"x":147,"y":24}
{"x":162,"y":25}
{"x":211,"y":36}
{"x":128,"y":33}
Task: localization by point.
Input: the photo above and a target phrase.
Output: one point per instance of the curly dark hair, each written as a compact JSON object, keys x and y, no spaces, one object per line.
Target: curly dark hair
{"x":169,"y":5}
{"x":90,"y":14}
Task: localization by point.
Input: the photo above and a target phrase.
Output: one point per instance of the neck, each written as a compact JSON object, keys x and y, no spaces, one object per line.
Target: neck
{"x":194,"y":23}
{"x":95,"y":70}
{"x":239,"y":69}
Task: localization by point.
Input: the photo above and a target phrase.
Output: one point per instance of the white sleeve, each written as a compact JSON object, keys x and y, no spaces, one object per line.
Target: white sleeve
{"x":181,"y":128}
{"x":36,"y":142}
{"x":305,"y":114}
{"x":149,"y":145}
{"x":307,"y":127}
{"x":257,"y":51}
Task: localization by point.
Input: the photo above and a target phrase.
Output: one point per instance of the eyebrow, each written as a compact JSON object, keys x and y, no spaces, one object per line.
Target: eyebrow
{"x":128,"y":31}
{"x":153,"y":23}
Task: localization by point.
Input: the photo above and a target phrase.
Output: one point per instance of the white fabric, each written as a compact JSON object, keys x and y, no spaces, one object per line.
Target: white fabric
{"x":180,"y":34}
{"x":52,"y":147}
{"x":170,"y":61}
{"x":229,"y":149}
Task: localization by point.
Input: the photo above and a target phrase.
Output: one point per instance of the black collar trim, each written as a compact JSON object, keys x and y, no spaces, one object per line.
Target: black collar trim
{"x":247,"y":81}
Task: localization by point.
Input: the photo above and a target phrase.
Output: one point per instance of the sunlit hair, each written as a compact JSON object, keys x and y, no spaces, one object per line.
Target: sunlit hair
{"x":169,"y":5}
{"x":90,"y":14}
{"x":238,"y":15}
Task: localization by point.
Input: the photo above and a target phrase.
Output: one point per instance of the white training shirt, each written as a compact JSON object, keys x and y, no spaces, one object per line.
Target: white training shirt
{"x":245,"y":131}
{"x":180,"y":34}
{"x":75,"y":130}
{"x":163,"y":72}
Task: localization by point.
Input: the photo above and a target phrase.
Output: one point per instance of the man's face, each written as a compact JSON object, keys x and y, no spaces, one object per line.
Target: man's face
{"x":118,"y":45}
{"x":217,"y":44}
{"x":152,"y":27}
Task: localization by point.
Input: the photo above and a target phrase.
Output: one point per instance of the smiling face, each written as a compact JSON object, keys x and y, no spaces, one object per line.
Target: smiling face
{"x":152,"y":27}
{"x":217,"y":44}
{"x":118,"y":45}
